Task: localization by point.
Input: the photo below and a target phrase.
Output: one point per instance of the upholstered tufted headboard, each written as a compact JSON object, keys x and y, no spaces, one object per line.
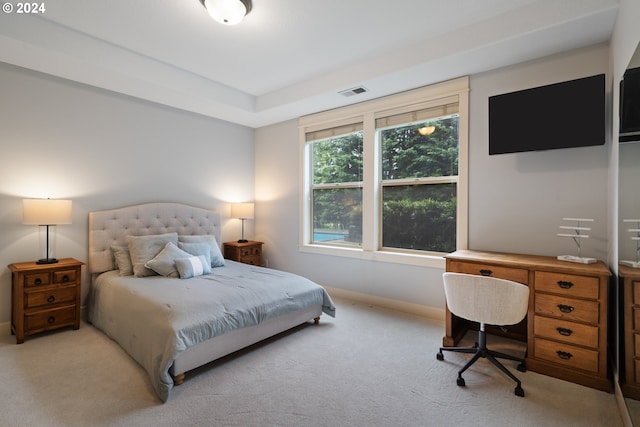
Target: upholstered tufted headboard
{"x":107,"y":228}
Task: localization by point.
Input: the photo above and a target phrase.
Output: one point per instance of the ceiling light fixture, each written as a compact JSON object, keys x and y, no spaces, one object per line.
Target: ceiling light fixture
{"x":228,"y":12}
{"x":426,"y":130}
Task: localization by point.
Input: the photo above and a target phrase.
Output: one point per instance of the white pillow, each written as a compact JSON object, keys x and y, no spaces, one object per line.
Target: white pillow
{"x":193,"y":266}
{"x":123,"y":259}
{"x":165,"y":262}
{"x":144,"y":248}
{"x":217,"y":260}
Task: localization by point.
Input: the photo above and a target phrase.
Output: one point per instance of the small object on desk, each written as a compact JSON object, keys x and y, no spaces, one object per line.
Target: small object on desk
{"x":246,"y":252}
{"x":576,"y":236}
{"x":635,"y":237}
{"x":44,"y":297}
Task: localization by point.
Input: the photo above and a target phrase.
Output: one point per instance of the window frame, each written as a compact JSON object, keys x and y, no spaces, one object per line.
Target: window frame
{"x":366,"y":113}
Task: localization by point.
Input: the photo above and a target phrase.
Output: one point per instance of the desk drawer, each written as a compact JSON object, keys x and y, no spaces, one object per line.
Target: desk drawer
{"x":567,"y":308}
{"x":516,"y":274}
{"x":636,"y":292}
{"x":567,"y":355}
{"x":569,"y":332}
{"x":567,"y":284}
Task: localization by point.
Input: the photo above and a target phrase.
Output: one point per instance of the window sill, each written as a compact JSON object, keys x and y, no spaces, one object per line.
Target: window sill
{"x":434,"y":261}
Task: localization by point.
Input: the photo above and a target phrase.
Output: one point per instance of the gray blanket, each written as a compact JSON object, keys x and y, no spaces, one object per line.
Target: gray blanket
{"x":155,"y":318}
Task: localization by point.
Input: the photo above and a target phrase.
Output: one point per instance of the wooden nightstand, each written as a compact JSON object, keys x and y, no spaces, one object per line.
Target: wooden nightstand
{"x":44,"y":296}
{"x":248,"y":253}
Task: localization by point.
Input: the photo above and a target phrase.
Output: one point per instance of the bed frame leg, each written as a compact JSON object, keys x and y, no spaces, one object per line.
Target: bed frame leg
{"x":178,"y":379}
{"x":316,"y":320}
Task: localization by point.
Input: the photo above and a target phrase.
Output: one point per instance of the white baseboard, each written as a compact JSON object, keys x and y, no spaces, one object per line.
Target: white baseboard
{"x":406,"y":307}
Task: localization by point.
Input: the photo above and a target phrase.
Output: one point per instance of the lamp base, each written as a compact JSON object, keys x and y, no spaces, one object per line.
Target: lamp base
{"x":243,"y":241}
{"x":47,"y":261}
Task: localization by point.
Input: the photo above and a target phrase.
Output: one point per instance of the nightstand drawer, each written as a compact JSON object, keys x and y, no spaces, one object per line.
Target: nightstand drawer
{"x":567,"y":308}
{"x":64,"y":276}
{"x":567,"y":284}
{"x":250,"y":251}
{"x":50,"y":319}
{"x":253,"y":260}
{"x":36,"y":279}
{"x":515,"y":274}
{"x":49,"y":297}
{"x":569,"y":332}
{"x":567,"y":355}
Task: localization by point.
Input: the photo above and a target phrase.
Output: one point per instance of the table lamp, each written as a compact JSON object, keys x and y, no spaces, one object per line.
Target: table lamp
{"x":46,"y":213}
{"x":242,"y":211}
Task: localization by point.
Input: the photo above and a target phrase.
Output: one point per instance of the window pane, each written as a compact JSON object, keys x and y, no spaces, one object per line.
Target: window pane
{"x":337,"y":159}
{"x":337,"y":216}
{"x":419,"y":151}
{"x":419,"y":217}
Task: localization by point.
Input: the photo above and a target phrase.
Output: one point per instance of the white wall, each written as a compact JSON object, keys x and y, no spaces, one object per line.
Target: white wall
{"x":516,"y":200}
{"x":103,"y":150}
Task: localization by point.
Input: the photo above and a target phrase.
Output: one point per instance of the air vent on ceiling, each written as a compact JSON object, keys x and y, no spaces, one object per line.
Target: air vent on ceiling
{"x":354,"y":91}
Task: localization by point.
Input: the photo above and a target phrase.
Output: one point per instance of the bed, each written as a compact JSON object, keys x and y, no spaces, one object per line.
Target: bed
{"x":175,"y":322}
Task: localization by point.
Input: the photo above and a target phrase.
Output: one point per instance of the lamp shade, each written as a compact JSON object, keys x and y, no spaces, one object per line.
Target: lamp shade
{"x":46,"y":211}
{"x":242,"y":210}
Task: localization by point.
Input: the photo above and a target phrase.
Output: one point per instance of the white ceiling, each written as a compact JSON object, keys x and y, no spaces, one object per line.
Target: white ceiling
{"x":290,"y":57}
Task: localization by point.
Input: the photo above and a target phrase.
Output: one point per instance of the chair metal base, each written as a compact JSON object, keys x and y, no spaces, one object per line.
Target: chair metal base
{"x":481,"y":350}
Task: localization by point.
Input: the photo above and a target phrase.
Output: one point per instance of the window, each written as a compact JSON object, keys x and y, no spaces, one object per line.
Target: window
{"x":336,"y":188}
{"x":386,"y":179}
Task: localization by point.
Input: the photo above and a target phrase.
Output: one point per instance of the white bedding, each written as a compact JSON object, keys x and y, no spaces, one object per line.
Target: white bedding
{"x":156,"y":318}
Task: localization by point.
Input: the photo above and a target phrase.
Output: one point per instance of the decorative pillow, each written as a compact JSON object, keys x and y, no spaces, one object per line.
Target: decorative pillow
{"x":123,"y":259}
{"x":164,"y":263}
{"x":144,"y":248}
{"x":196,"y":249}
{"x":193,"y":266}
{"x":217,"y":260}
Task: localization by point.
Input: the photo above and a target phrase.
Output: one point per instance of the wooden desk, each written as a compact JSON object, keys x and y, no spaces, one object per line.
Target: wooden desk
{"x":566,"y":324}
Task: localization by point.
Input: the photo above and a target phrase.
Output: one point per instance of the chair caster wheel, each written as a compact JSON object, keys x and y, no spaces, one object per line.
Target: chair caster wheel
{"x":521,"y":367}
{"x":519,"y":391}
{"x":440,"y":356}
{"x":461,"y":382}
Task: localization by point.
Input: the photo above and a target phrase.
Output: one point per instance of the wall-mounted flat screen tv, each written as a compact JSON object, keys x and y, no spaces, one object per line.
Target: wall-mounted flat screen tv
{"x":630,"y":106}
{"x":561,"y":115}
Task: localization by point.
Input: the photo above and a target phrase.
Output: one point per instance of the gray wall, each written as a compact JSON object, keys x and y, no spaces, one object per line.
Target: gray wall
{"x":516,"y":201}
{"x":104,"y":150}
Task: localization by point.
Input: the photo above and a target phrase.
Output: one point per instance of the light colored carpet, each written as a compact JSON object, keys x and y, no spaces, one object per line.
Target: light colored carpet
{"x":368,"y":367}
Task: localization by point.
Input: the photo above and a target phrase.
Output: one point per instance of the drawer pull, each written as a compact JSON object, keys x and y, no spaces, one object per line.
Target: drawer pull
{"x":565,"y":308}
{"x":51,"y":319}
{"x":564,"y":331}
{"x":564,"y":355}
{"x":486,"y":272}
{"x":65,"y":278}
{"x":51,"y":299}
{"x":38,"y":281}
{"x":564,"y":284}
